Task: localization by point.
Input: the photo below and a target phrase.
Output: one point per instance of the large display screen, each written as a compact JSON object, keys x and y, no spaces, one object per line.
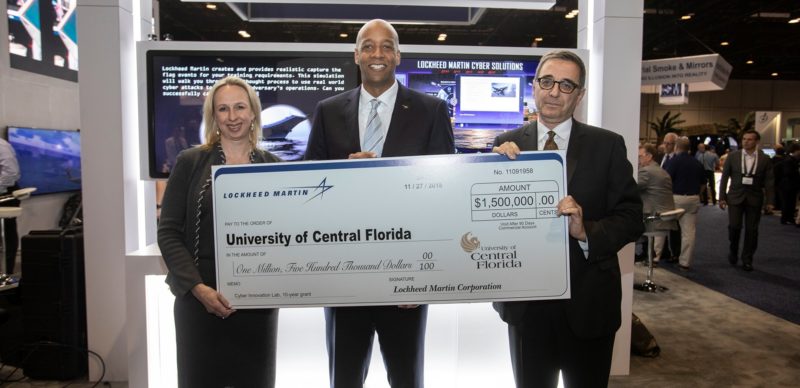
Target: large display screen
{"x":485,"y":94}
{"x":49,"y":159}
{"x":289,"y":85}
{"x":43,"y":37}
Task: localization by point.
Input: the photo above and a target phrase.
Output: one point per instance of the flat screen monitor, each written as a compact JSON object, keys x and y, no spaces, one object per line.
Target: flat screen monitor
{"x":486,"y":94}
{"x":289,"y":85}
{"x":49,"y":159}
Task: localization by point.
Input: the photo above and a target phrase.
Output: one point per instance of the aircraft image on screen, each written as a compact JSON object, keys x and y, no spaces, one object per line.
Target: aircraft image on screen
{"x":503,"y":90}
{"x":279,"y":129}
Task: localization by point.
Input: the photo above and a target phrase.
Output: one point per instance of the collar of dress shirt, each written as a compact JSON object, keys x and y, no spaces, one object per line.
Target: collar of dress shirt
{"x":387,"y":98}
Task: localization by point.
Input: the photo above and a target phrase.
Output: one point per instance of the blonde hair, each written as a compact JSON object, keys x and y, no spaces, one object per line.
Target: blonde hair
{"x":211,"y":128}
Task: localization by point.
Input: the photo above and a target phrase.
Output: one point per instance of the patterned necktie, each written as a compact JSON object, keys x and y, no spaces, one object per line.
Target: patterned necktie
{"x":550,"y":144}
{"x":373,"y":136}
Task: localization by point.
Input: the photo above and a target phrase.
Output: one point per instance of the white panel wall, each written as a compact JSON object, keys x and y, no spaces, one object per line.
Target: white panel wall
{"x":612,"y":32}
{"x":33,"y":100}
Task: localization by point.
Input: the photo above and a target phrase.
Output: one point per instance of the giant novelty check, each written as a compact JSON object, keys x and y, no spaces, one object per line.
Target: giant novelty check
{"x":388,"y":231}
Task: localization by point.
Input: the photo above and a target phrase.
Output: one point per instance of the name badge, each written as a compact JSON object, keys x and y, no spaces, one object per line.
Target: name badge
{"x":747,"y":180}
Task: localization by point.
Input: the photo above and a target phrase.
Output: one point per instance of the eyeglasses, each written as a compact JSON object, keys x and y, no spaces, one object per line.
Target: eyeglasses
{"x":565,"y":86}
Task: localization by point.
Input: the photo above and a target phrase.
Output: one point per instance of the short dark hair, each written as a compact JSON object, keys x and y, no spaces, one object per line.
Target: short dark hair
{"x":753,"y":131}
{"x":565,"y":55}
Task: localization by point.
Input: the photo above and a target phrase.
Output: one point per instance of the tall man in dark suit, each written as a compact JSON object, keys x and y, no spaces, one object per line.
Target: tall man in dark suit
{"x":751,"y":178}
{"x":575,"y":335}
{"x":380,"y":118}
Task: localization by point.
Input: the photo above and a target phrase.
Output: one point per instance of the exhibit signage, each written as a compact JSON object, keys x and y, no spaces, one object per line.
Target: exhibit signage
{"x":701,"y":72}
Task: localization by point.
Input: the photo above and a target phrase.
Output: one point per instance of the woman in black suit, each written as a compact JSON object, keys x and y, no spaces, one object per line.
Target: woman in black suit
{"x":217,"y":346}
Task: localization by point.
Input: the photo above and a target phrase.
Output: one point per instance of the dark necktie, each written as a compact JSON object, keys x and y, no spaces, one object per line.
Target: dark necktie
{"x":550,"y":144}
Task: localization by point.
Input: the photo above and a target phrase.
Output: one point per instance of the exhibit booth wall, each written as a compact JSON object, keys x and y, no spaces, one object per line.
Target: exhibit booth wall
{"x":34,"y":100}
{"x":119,"y":206}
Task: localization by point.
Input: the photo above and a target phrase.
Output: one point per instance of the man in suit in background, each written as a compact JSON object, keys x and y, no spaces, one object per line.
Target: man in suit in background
{"x":379,"y":118}
{"x":669,"y":148}
{"x":655,"y":188}
{"x":752,"y":182}
{"x":674,"y":246}
{"x":575,"y":335}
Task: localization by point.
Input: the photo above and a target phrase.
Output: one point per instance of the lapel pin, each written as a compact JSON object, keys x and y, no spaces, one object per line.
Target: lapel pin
{"x":405,"y":106}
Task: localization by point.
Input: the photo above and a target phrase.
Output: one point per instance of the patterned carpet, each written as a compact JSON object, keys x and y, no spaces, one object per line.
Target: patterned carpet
{"x":774,"y":285}
{"x":710,"y":340}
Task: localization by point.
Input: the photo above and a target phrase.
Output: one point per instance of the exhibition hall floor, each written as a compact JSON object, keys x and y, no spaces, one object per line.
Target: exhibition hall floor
{"x":707,"y":340}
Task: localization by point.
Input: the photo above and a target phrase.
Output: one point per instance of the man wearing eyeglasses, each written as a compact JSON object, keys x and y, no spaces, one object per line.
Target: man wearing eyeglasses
{"x":669,"y":148}
{"x":576,"y":335}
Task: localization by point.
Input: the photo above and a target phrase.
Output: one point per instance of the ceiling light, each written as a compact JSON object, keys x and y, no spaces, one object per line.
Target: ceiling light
{"x":244,"y":34}
{"x":211,"y":6}
{"x":343,"y":35}
{"x":724,"y":43}
{"x":794,"y":21}
{"x":749,"y":62}
{"x":538,"y":39}
{"x":442,"y":37}
{"x":571,"y":14}
{"x":774,"y":74}
{"x":686,"y":17}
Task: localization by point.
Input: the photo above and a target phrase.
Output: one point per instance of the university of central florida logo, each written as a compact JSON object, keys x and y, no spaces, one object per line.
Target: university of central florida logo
{"x":469,"y":243}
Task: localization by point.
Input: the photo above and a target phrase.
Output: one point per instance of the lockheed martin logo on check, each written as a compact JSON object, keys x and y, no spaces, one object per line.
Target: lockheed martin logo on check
{"x":309,"y":192}
{"x":321,"y":188}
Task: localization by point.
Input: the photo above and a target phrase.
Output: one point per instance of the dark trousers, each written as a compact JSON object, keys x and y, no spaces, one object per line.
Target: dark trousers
{"x":709,"y":193}
{"x":544,"y":344}
{"x":750,"y":217}
{"x":789,"y":197}
{"x":672,"y":249}
{"x":11,"y":240}
{"x":401,"y":335}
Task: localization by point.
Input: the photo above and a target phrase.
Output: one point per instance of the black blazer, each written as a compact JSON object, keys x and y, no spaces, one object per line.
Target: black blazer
{"x":600,"y":178}
{"x":420,"y":126}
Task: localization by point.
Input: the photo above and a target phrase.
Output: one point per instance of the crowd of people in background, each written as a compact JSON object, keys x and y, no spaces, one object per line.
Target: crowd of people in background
{"x":750,"y":184}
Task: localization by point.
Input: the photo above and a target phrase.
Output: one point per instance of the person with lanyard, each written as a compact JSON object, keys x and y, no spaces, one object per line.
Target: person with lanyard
{"x":215,"y":344}
{"x":751,"y":183}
